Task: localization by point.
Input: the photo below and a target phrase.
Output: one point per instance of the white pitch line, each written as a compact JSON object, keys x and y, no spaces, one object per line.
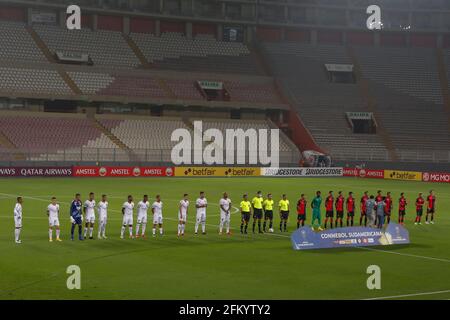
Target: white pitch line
{"x":410,"y":295}
{"x":405,"y":254}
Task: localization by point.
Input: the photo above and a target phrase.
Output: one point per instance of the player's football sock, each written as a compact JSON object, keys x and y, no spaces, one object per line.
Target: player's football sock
{"x":204,"y":227}
{"x":85,"y":231}
{"x":154,"y":231}
{"x":264,"y":226}
{"x":50,"y":233}
{"x":179,"y":229}
{"x":144,"y":226}
{"x":91,"y":231}
{"x":80,"y":228}
{"x":161,"y":231}
{"x":242,"y":227}
{"x":253,"y":227}
{"x":57,"y":233}
{"x":270,"y":224}
{"x":285,"y":226}
{"x":298,"y":225}
{"x":137,"y":228}
{"x":196,"y":227}
{"x":72,"y":231}
{"x":122,"y":231}
{"x":182,"y":228}
{"x":17,"y":234}
{"x":245,"y":228}
{"x":259,"y":226}
{"x":130,"y":229}
{"x":432,"y":217}
{"x":281,"y":226}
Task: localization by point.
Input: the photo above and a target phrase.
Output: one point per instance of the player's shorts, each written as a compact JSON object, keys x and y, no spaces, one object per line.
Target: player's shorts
{"x":340,"y":214}
{"x":350,"y":213}
{"x":401,"y":212}
{"x":77,"y":220}
{"x":387,"y":213}
{"x":301,"y":217}
{"x":284,"y":215}
{"x":182,"y":217}
{"x":157,"y":219}
{"x":18,"y":222}
{"x":201,"y":217}
{"x":245,"y":216}
{"x":419,"y":212}
{"x":127,"y":220}
{"x":142,"y":218}
{"x":430,"y":210}
{"x":329,"y":214}
{"x":90,"y":218}
{"x":257,"y":213}
{"x":225,"y":217}
{"x":268,"y":215}
{"x":53,"y":221}
{"x":103,"y":218}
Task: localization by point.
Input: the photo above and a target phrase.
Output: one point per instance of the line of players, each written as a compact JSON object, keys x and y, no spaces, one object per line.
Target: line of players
{"x":374,"y":210}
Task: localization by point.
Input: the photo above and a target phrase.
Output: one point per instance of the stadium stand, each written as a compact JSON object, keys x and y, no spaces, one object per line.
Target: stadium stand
{"x":321,"y":104}
{"x":17,"y":81}
{"x":203,"y":53}
{"x":17,"y":44}
{"x":106,"y":48}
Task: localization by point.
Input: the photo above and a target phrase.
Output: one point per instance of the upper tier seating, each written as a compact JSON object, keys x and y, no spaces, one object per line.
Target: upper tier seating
{"x":17,"y":44}
{"x":107,"y":48}
{"x":321,"y":104}
{"x":410,"y":71}
{"x":202,"y":54}
{"x":32,"y":81}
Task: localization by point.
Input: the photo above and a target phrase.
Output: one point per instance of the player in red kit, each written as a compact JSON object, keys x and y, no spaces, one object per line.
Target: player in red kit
{"x":350,"y":209}
{"x":388,"y":207}
{"x":363,"y":201}
{"x":301,"y":211}
{"x":329,"y":202}
{"x":402,"y":208}
{"x":431,"y":207}
{"x":419,"y":209}
{"x":339,"y":205}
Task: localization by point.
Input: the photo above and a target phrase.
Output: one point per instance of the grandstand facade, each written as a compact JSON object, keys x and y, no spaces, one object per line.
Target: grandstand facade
{"x":115,"y":90}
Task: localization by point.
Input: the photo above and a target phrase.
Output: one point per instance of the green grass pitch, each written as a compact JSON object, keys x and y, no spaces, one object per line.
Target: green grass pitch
{"x":213,"y":266}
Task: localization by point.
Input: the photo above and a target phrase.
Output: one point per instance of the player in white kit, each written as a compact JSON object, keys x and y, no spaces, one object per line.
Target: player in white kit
{"x":182,"y":214}
{"x":53,"y":219}
{"x":157,"y":215}
{"x":102,"y":209}
{"x":127,"y":211}
{"x":89,"y":214}
{"x":18,"y":220}
{"x":225,"y":213}
{"x":201,"y":205}
{"x":143,"y":207}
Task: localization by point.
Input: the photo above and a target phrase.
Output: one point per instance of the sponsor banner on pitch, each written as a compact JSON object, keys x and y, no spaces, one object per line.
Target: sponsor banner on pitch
{"x":364,"y":173}
{"x":122,"y":171}
{"x":436,"y":177}
{"x":35,"y":171}
{"x":403,"y":175}
{"x":304,"y":238}
{"x":217,"y":172}
{"x":302,"y":172}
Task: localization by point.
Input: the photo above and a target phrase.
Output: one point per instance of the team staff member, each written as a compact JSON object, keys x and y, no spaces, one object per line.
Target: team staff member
{"x":431,"y":208}
{"x":315,"y":205}
{"x":257,"y":210}
{"x":283,"y":206}
{"x":339,"y":204}
{"x":268,"y":212}
{"x":329,"y":202}
{"x":246,"y":208}
{"x":301,"y":211}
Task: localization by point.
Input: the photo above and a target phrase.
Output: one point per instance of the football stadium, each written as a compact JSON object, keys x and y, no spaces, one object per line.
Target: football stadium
{"x":224,"y":150}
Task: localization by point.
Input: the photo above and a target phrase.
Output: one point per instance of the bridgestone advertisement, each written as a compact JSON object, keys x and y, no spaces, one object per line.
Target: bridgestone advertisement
{"x":302,"y":172}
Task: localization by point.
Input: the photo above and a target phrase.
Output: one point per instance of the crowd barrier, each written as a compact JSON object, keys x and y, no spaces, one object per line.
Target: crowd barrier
{"x":195,"y":171}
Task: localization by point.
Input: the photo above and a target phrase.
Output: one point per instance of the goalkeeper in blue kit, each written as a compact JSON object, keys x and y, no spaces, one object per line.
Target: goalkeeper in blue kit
{"x":76,"y":216}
